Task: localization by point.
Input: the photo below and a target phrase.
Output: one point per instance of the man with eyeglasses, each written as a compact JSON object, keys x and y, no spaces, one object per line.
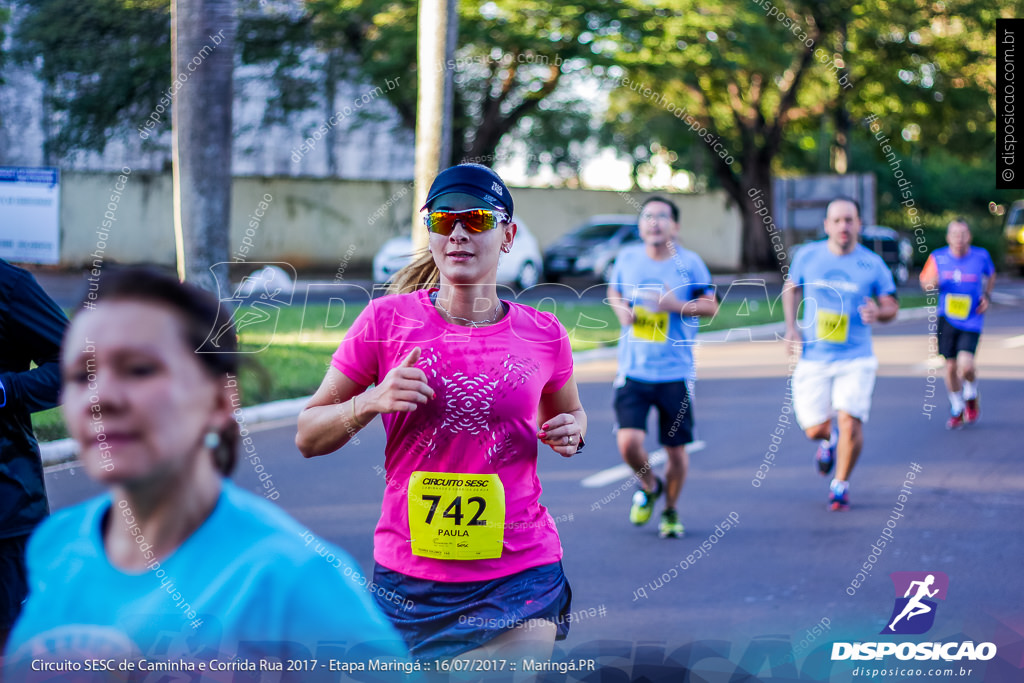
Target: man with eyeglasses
{"x":658,"y":290}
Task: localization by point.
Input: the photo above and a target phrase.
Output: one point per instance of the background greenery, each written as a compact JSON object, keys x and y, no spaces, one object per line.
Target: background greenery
{"x":763,"y":78}
{"x":288,"y":359}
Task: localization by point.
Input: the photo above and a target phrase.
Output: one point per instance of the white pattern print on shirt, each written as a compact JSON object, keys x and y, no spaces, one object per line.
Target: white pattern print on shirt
{"x":466,"y":404}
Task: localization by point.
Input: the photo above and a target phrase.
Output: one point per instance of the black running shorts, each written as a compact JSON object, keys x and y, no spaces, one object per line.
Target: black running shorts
{"x":634,"y":400}
{"x":953,"y":340}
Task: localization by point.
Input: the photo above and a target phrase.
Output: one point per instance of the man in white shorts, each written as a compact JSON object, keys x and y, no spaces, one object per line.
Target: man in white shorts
{"x":844,"y":287}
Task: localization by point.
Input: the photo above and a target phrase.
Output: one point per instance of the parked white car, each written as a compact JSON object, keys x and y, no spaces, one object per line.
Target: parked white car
{"x":521,"y":267}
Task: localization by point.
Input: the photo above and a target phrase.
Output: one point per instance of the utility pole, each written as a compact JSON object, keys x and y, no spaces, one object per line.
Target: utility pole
{"x":438,"y":22}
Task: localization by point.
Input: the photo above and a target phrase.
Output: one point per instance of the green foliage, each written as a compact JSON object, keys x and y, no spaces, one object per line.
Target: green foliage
{"x":5,"y":16}
{"x":105,"y":64}
{"x":767,"y":91}
{"x":283,"y":41}
{"x":927,"y":70}
{"x":726,"y":66}
{"x":771,"y":93}
{"x":513,"y":57}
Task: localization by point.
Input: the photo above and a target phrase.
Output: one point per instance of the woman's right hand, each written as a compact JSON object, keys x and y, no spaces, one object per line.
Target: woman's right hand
{"x":402,"y":390}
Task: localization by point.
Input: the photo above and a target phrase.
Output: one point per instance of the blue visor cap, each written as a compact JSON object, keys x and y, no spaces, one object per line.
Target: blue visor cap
{"x":475,"y":180}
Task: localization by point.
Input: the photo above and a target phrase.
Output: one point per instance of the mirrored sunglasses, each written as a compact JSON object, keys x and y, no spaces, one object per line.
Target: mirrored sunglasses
{"x":474,"y":220}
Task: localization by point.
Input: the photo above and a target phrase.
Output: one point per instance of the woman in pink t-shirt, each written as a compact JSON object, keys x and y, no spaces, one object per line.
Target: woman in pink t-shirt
{"x":466,"y":385}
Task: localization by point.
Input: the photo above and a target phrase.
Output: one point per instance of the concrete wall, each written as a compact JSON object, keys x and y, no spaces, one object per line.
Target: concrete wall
{"x":325,"y":223}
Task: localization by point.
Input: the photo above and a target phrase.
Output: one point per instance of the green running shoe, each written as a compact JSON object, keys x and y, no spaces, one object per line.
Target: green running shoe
{"x":670,"y":526}
{"x":643,"y":504}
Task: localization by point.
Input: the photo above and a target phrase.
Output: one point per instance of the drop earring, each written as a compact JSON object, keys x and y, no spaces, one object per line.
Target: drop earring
{"x":211,"y":440}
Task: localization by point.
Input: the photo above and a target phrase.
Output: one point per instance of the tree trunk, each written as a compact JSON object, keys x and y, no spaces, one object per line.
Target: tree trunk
{"x":203,"y":49}
{"x":432,"y":35}
{"x":841,"y":142}
{"x":755,"y":251}
{"x":448,"y":106}
{"x":332,"y":73}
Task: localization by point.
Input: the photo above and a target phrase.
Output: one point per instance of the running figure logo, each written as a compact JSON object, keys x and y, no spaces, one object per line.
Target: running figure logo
{"x":914,"y":612}
{"x":257,"y":299}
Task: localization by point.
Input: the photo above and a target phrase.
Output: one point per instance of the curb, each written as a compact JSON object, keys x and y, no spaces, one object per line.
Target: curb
{"x":65,"y":450}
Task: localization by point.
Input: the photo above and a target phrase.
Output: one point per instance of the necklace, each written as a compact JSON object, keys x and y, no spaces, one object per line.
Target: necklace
{"x":498,"y":310}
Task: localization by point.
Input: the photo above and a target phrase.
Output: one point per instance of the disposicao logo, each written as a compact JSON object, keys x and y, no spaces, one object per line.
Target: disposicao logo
{"x":913,"y":613}
{"x":916,"y":592}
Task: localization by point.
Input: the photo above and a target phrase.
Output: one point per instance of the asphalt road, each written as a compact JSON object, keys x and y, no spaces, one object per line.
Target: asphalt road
{"x":776,"y":586}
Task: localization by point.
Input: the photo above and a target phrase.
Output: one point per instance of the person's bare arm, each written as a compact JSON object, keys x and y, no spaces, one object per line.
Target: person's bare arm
{"x":792,"y":297}
{"x":620,"y":307}
{"x":560,"y":415}
{"x":341,"y":407}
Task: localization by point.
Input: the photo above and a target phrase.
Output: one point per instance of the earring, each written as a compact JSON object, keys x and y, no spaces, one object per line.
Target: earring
{"x":505,"y":249}
{"x":211,"y":440}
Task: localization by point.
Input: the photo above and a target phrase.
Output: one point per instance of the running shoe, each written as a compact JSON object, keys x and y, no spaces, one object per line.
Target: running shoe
{"x":670,"y":526}
{"x":956,"y":421}
{"x":839,"y":496}
{"x":971,"y":410}
{"x":643,"y":504}
{"x":825,"y":457}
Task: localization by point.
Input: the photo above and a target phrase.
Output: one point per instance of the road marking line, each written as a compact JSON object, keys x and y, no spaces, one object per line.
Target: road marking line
{"x":1014,"y":342}
{"x":624,"y":471}
{"x":1004,"y":298}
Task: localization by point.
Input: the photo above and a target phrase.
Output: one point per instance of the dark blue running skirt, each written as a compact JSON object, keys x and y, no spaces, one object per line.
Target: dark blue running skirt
{"x":446,"y":619}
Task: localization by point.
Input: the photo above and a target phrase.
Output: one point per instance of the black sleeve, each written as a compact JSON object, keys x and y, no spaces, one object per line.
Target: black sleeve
{"x":35,"y":325}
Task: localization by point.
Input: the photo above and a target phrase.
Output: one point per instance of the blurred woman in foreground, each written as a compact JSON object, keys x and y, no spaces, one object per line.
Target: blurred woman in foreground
{"x":174,"y":562}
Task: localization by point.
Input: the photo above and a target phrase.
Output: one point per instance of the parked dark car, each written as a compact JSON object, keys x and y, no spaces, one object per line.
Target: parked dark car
{"x":590,"y":249}
{"x":895,"y":249}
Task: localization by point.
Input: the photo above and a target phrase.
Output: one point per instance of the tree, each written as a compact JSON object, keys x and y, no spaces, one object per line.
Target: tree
{"x":716,"y":84}
{"x":513,"y":57}
{"x":105,"y":65}
{"x":204,"y":41}
{"x":784,"y":85}
{"x":5,"y":16}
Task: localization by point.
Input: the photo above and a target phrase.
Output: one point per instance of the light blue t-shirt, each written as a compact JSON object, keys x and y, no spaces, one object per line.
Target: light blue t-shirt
{"x":834,"y":287}
{"x":961,"y":284}
{"x":249,"y":581}
{"x":658,"y":347}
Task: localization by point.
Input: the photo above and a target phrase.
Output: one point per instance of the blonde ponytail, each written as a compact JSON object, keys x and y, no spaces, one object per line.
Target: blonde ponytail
{"x":422,"y":273}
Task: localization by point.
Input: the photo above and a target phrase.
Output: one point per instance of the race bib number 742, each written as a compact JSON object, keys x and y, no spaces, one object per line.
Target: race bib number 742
{"x":456,"y":516}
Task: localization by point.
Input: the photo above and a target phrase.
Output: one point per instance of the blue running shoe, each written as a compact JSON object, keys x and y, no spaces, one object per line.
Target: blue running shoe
{"x":839,"y":495}
{"x":825,"y":457}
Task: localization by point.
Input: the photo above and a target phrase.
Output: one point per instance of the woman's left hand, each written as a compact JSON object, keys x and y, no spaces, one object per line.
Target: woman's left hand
{"x":562,"y":433}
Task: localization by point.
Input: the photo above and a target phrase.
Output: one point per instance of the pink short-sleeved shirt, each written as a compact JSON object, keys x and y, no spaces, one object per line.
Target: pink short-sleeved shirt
{"x":483,"y":420}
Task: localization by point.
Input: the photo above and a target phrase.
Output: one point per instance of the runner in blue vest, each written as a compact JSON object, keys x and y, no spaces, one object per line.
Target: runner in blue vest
{"x":838,"y":280}
{"x":964,"y":277}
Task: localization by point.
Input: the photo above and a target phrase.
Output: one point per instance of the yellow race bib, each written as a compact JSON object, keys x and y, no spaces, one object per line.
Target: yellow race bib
{"x":833,"y":327}
{"x":649,"y":325}
{"x":456,"y":516}
{"x":957,"y":306}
